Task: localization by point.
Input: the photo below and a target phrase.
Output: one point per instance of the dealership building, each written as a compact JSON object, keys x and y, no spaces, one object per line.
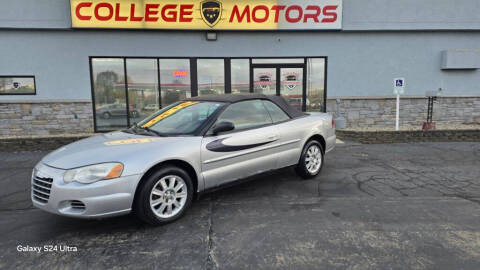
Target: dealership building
{"x":97,"y":65}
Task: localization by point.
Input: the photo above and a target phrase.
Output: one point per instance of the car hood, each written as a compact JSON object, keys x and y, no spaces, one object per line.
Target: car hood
{"x":110,"y":147}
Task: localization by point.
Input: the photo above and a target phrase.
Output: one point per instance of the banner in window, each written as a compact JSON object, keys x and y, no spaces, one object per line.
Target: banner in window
{"x":17,"y":85}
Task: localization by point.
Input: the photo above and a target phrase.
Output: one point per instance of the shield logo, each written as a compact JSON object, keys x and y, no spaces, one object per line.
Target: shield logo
{"x":211,"y":12}
{"x":291,"y":81}
{"x":16,"y":85}
{"x":264,"y":81}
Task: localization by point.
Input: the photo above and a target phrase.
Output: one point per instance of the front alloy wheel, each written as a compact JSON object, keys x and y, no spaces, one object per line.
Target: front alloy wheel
{"x":164,"y":195}
{"x":168,"y":196}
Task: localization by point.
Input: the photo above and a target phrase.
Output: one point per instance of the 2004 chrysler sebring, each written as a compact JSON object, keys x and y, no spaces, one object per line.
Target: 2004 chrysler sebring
{"x":157,"y":167}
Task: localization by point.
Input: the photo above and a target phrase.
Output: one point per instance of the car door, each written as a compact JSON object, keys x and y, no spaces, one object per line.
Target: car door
{"x":247,"y":150}
{"x":289,"y":135}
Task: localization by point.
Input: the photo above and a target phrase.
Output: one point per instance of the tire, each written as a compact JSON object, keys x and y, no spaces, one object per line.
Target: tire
{"x":106,"y":115}
{"x":153,"y":208}
{"x":303,"y":168}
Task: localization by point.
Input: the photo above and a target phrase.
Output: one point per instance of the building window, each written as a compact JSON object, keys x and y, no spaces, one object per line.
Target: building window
{"x":291,"y":86}
{"x":17,"y":85}
{"x":174,"y":80}
{"x":210,"y":76}
{"x":277,"y":61}
{"x":126,"y":90}
{"x":109,"y":93}
{"x":142,"y":83}
{"x":240,"y":70}
{"x":265,"y":81}
{"x":315,"y":99}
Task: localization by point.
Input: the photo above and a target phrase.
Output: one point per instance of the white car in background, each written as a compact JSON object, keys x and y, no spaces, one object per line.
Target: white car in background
{"x":151,"y":107}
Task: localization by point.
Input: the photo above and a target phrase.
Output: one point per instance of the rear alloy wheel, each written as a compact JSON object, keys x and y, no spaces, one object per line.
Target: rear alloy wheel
{"x":311,"y":160}
{"x":106,"y":115}
{"x":164,"y":196}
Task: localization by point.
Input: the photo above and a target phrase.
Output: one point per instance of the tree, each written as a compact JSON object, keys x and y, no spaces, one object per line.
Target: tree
{"x":105,"y":84}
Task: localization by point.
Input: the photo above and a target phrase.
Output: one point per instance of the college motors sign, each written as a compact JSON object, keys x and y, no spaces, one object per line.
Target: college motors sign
{"x":208,"y":14}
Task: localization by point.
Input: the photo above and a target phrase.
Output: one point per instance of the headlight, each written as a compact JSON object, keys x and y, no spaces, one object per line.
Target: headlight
{"x":94,"y":173}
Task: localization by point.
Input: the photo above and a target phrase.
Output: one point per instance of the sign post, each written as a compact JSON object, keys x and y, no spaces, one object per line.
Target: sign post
{"x":398,"y":89}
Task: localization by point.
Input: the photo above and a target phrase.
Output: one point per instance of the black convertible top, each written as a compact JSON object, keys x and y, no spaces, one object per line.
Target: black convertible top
{"x":232,"y":98}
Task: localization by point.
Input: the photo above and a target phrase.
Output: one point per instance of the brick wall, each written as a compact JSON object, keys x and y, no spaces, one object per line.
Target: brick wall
{"x":45,"y":118}
{"x":413,"y":111}
{"x":50,"y":118}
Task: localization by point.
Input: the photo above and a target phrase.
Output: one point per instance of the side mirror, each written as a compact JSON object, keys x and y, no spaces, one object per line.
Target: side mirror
{"x":222,"y":127}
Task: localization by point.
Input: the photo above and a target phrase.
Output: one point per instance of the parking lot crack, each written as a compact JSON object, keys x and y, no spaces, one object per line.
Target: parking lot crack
{"x":211,"y":262}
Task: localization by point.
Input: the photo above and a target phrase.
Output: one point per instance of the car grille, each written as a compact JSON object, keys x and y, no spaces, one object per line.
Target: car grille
{"x":41,"y":187}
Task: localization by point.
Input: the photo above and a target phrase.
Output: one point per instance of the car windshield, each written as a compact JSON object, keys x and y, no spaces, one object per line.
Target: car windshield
{"x":181,"y":118}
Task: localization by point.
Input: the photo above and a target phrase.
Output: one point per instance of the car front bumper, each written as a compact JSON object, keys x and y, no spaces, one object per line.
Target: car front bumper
{"x":104,"y":198}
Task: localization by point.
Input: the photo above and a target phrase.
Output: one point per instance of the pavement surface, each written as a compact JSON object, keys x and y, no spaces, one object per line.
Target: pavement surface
{"x":399,"y":206}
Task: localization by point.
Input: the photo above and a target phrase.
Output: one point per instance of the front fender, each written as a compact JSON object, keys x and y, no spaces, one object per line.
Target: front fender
{"x":186,"y":150}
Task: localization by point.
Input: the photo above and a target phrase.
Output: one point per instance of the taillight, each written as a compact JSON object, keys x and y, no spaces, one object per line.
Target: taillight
{"x":333,"y":123}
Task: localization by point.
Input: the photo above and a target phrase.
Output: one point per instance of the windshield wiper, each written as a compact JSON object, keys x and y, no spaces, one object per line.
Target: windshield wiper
{"x":128,"y":130}
{"x":153,"y":131}
{"x":135,"y":130}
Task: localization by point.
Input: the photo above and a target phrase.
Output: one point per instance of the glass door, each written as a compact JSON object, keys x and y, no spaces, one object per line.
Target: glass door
{"x":285,"y":80}
{"x":265,"y":81}
{"x":291,"y":86}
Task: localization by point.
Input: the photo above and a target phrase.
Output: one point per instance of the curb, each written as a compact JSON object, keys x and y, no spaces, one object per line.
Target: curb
{"x":407,"y":136}
{"x":38,"y":143}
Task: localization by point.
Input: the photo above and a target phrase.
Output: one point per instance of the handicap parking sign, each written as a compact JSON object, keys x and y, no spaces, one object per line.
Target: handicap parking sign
{"x":398,"y":86}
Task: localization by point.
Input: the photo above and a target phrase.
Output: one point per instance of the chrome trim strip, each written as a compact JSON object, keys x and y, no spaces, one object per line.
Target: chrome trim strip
{"x":108,"y":213}
{"x":43,"y":181}
{"x":40,"y":194}
{"x":250,"y":151}
{"x":40,"y":200}
{"x":39,"y":188}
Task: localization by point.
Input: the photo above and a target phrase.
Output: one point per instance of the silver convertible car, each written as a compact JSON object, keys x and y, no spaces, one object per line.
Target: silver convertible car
{"x":157,"y":167}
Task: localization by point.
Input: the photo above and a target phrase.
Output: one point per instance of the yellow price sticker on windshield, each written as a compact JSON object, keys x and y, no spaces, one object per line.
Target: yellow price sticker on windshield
{"x":168,"y":113}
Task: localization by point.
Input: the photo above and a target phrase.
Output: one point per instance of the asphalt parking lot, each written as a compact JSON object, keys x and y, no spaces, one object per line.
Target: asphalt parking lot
{"x":399,"y":206}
